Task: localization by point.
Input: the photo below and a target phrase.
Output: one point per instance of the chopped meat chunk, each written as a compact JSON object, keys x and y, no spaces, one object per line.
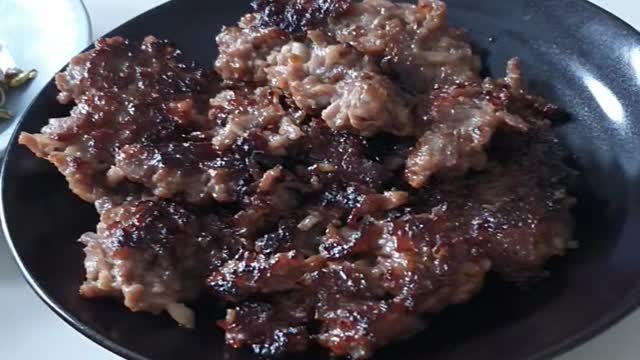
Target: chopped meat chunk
{"x":123,"y":95}
{"x":154,"y":69}
{"x":342,"y":84}
{"x":519,"y":217}
{"x":244,"y":49}
{"x":354,"y":320}
{"x":324,"y":77}
{"x":253,"y":273}
{"x":296,"y":16}
{"x":367,"y":104}
{"x":374,"y":203}
{"x":193,"y":171}
{"x":336,"y":157}
{"x":241,"y":111}
{"x":270,"y":329}
{"x":414,"y":42}
{"x":264,"y":210}
{"x":463,"y":119}
{"x":153,"y":254}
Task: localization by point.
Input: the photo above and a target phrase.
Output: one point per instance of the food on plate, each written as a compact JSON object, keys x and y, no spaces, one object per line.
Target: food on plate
{"x":343,"y":174}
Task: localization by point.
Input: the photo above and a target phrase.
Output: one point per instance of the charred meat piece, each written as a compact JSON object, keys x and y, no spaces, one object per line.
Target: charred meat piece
{"x":124,"y":94}
{"x":425,"y":261}
{"x":240,"y":111}
{"x":191,"y":171}
{"x":298,"y":16}
{"x":252,"y":273}
{"x":354,"y":316}
{"x":196,"y":172}
{"x":252,"y":129}
{"x":420,"y":261}
{"x":462,"y":120}
{"x":271,"y":203}
{"x":340,"y":298}
{"x":173,"y":169}
{"x":334,"y":157}
{"x":343,"y":85}
{"x":518,"y":217}
{"x":323,"y":77}
{"x":244,"y":50}
{"x":153,"y":69}
{"x":270,"y":329}
{"x":155,"y":255}
{"x":414,"y":43}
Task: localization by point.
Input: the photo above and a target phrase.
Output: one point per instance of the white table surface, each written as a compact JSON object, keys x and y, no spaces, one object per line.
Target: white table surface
{"x":29,"y":330}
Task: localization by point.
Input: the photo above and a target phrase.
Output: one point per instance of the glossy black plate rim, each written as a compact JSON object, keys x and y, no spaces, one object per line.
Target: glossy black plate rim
{"x":90,"y":20}
{"x":85,"y":11}
{"x":628,"y":305}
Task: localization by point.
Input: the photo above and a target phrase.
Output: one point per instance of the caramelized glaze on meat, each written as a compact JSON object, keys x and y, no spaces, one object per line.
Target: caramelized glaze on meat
{"x":153,"y":254}
{"x":346,"y":174}
{"x":240,"y":111}
{"x":373,"y":279}
{"x":244,"y":48}
{"x":296,"y":16}
{"x":124,"y":94}
{"x":414,"y":43}
{"x":462,"y":120}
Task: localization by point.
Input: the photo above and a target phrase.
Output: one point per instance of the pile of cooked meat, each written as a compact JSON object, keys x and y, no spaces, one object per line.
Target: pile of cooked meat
{"x":344,"y":174}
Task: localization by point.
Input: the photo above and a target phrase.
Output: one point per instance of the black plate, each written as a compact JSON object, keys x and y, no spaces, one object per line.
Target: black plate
{"x":574,"y":53}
